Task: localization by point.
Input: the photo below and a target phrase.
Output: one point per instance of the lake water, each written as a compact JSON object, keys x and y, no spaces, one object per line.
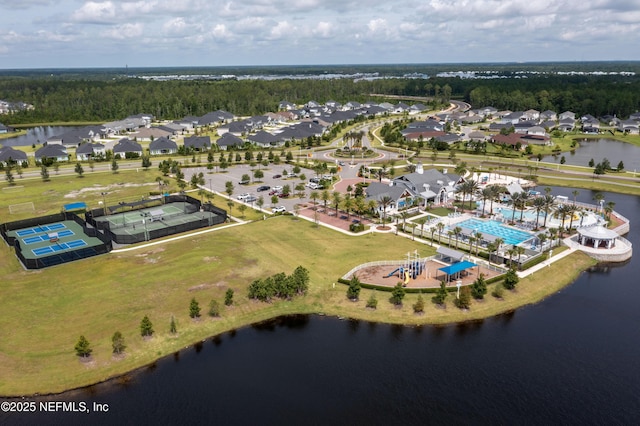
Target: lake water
{"x":571,"y":359}
{"x":36,"y":135}
{"x":599,"y":149}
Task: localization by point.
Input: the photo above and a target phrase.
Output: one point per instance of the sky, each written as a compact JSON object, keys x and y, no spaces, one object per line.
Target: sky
{"x":149,"y":33}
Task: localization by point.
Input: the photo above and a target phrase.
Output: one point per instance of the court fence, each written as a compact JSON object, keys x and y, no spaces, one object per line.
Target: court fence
{"x":114,"y":232}
{"x":56,"y":258}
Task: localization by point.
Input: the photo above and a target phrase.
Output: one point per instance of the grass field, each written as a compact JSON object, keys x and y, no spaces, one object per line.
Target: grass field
{"x":44,"y":312}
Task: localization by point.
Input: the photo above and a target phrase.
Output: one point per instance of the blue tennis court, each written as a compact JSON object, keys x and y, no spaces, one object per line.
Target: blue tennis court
{"x":41,"y":251}
{"x":46,"y":237}
{"x":40,"y":229}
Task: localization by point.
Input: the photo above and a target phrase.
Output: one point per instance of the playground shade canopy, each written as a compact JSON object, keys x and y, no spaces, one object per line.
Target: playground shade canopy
{"x":75,"y":206}
{"x":457,"y":267}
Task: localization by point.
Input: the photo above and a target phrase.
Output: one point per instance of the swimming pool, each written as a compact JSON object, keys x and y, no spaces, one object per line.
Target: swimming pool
{"x":527,"y":215}
{"x":497,"y":229}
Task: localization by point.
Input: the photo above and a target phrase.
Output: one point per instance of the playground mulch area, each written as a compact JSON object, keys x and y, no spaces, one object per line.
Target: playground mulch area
{"x":430,"y":278}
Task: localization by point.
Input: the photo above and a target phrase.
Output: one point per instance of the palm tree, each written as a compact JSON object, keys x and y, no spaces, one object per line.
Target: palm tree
{"x":498,"y":242}
{"x":572,"y":212}
{"x":491,"y":247}
{"x":440,"y":227}
{"x":433,"y":231}
{"x":450,"y":234}
{"x":485,"y":194}
{"x":325,"y":198}
{"x":496,"y":190}
{"x":522,"y":203}
{"x":478,"y":236}
{"x":549,"y":202}
{"x":404,"y":216}
{"x":360,"y":205}
{"x":347,"y":204}
{"x":519,"y":251}
{"x":457,"y":230}
{"x":472,"y":240}
{"x":538,"y":205}
{"x":563,"y":211}
{"x":609,"y":209}
{"x":542,"y":237}
{"x":314,"y":196}
{"x":575,"y":194}
{"x":384,"y":202}
{"x":515,"y":199}
{"x":553,"y":232}
{"x":473,"y":187}
{"x":598,"y":197}
{"x":337,"y":198}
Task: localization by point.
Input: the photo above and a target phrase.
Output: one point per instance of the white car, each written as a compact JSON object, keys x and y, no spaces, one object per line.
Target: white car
{"x":243,"y":196}
{"x":279,"y":209}
{"x":277,"y":188}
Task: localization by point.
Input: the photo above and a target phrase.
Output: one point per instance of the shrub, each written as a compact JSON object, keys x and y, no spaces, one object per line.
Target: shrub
{"x":511,"y":279}
{"x":397,"y":294}
{"x":464,"y":301}
{"x":441,"y":294}
{"x":479,"y":287}
{"x":372,"y":302}
{"x":353,"y":291}
{"x":418,"y":307}
{"x":214,"y":308}
{"x":498,"y":291}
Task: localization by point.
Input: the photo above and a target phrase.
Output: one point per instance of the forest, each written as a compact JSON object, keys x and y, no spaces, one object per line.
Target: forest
{"x":93,"y":97}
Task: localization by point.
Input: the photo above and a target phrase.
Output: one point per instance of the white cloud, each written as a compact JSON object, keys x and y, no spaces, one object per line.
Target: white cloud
{"x":95,"y":13}
{"x":323,"y":29}
{"x":124,"y":31}
{"x":282,"y":30}
{"x":174,"y":26}
{"x":221,"y":32}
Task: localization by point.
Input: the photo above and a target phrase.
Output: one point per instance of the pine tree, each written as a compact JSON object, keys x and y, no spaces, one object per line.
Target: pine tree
{"x":214,"y":308}
{"x":353,"y":291}
{"x":194,"y":309}
{"x":173,"y":329}
{"x":464,"y":301}
{"x":83,"y":348}
{"x":418,"y":307}
{"x":479,"y":287}
{"x":397,"y":294}
{"x":441,"y":294}
{"x":372,"y":302}
{"x":511,"y":279}
{"x":117,"y":342}
{"x":228,"y":297}
{"x":146,"y":327}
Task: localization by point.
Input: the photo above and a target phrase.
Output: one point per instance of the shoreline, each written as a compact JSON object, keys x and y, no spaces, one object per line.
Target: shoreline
{"x":479,"y":311}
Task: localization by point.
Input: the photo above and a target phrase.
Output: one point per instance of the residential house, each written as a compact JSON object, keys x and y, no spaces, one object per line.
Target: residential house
{"x":88,"y":151}
{"x":173,"y":128}
{"x":513,"y":117}
{"x":264,"y":139}
{"x":286,"y":106}
{"x":75,"y":137}
{"x":229,"y":140}
{"x":567,"y":124}
{"x":629,"y":126}
{"x":3,"y":128}
{"x":162,"y":146}
{"x":215,"y":118}
{"x":126,"y":148}
{"x":548,"y":115}
{"x":189,"y":122}
{"x":567,"y":114}
{"x":150,"y":133}
{"x":54,"y":152}
{"x":532,"y":115}
{"x":10,"y":155}
{"x":198,"y":143}
{"x":237,"y":128}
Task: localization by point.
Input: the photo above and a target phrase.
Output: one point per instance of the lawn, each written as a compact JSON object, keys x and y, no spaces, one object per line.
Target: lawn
{"x":44,"y":312}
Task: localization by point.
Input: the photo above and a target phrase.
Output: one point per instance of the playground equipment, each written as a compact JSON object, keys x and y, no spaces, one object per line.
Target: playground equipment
{"x":411,"y":269}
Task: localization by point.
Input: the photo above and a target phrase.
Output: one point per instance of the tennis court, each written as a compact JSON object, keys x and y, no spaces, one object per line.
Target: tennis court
{"x":41,"y":251}
{"x":177,"y":214}
{"x":49,"y":236}
{"x":40,"y":229}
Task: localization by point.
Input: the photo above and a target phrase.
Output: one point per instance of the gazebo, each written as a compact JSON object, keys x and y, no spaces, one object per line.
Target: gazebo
{"x":597,"y":237}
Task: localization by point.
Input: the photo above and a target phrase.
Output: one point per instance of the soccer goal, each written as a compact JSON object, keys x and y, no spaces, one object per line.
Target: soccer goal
{"x":22,"y":208}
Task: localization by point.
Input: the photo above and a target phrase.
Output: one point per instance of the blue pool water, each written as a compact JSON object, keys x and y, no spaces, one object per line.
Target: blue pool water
{"x":497,"y":229}
{"x":528,"y":215}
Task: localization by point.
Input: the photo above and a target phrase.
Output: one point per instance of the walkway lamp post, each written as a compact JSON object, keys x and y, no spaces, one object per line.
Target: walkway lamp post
{"x":104,"y":202}
{"x":458,"y":285}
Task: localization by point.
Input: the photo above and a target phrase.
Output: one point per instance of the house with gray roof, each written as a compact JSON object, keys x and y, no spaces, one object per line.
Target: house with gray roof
{"x":88,"y":151}
{"x":198,"y":143}
{"x":418,"y":188}
{"x":286,"y":106}
{"x":264,"y":139}
{"x":126,"y":148}
{"x":9,"y":155}
{"x":75,"y":137}
{"x":162,"y":146}
{"x":3,"y":128}
{"x":53,"y":152}
{"x":215,"y":118}
{"x":229,"y":140}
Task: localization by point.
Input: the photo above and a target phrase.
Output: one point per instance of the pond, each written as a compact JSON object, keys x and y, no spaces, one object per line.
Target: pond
{"x":571,"y":359}
{"x":598,"y":149}
{"x":37,"y":135}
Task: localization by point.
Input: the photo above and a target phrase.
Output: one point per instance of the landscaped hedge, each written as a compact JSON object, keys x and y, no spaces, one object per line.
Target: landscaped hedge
{"x":492,"y":280}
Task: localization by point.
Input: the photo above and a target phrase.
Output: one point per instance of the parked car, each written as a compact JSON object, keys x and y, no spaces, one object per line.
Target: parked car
{"x":277,"y":188}
{"x":243,"y":197}
{"x":283,"y":195}
{"x":279,"y":209}
{"x":263,"y":188}
{"x":274,"y":192}
{"x":277,"y":176}
{"x":250,"y":199}
{"x":245,"y":182}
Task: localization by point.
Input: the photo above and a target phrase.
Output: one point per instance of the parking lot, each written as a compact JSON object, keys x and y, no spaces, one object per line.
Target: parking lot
{"x":274,"y":176}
